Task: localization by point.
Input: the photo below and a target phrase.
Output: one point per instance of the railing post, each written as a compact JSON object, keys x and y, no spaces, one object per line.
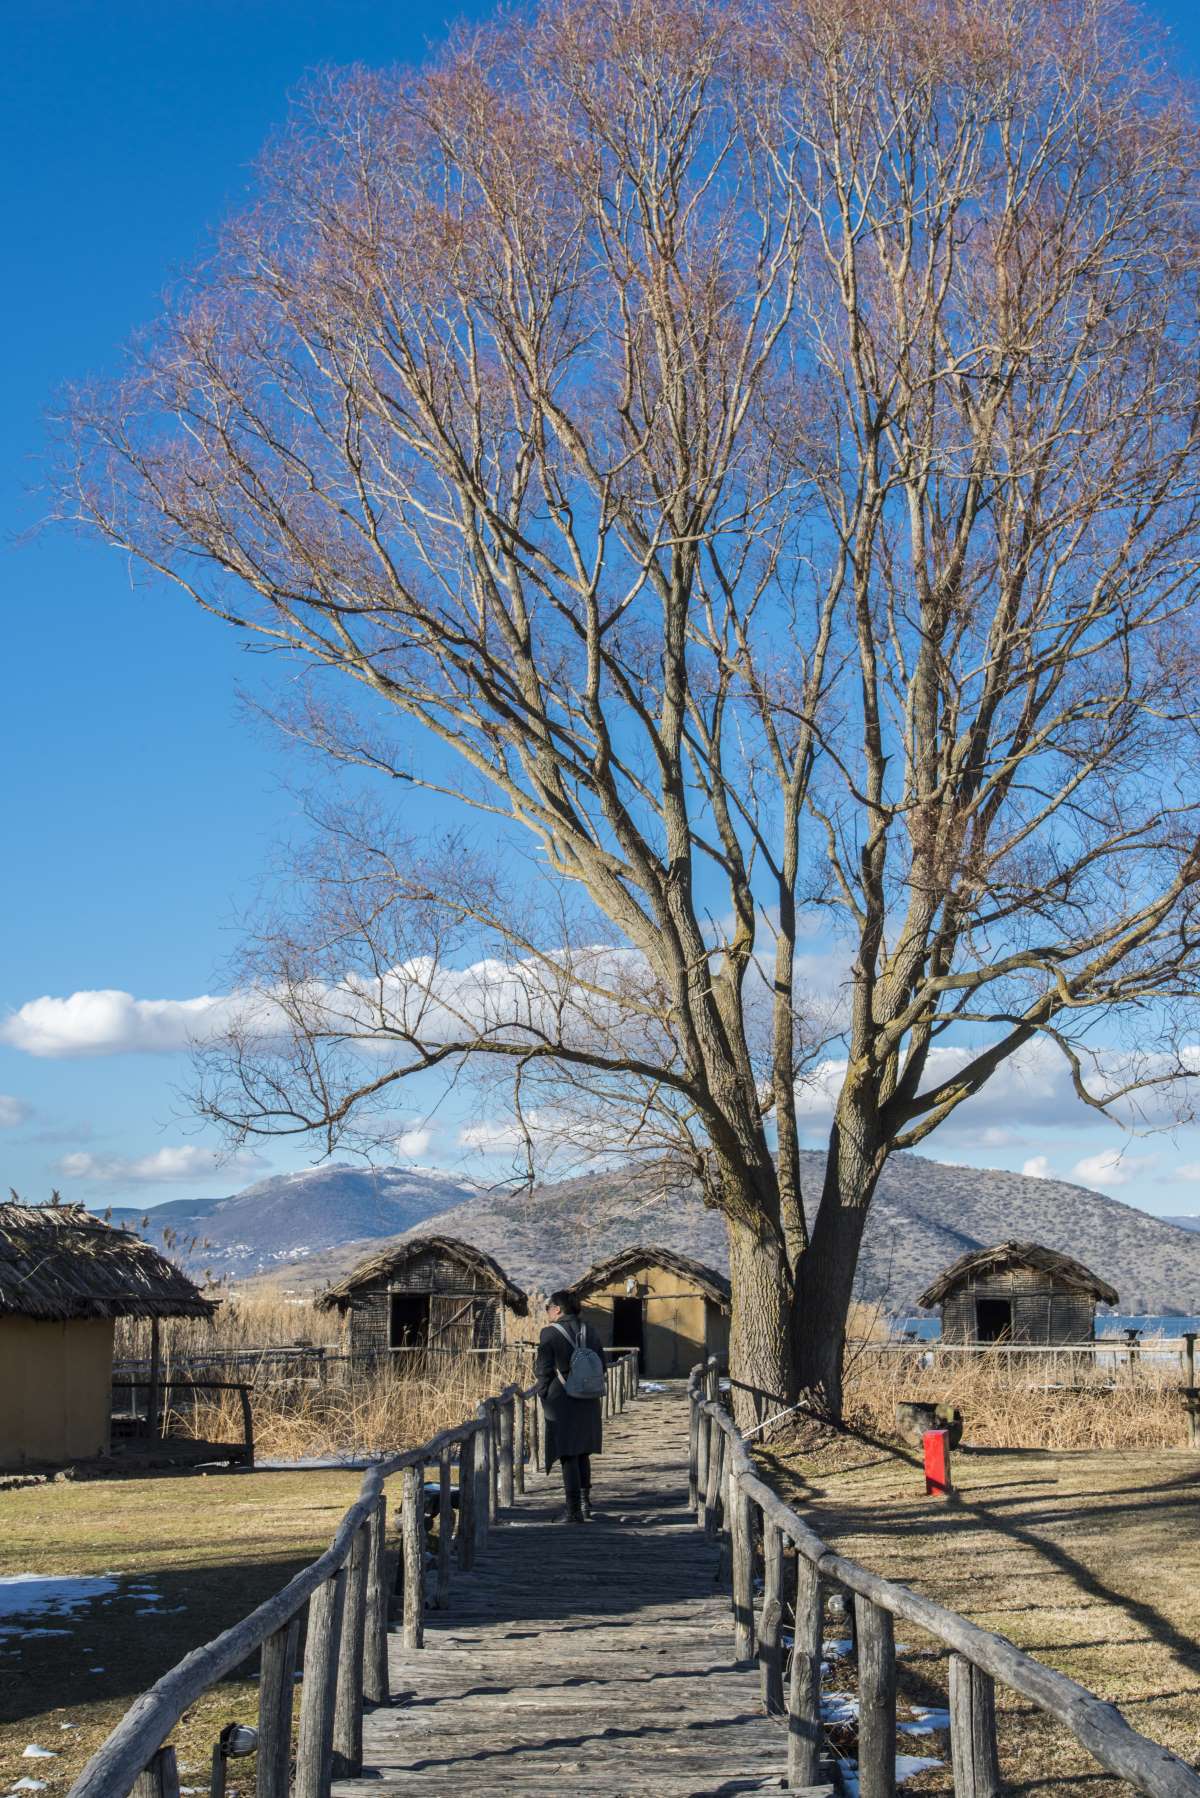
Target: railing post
{"x":507,"y":1432}
{"x":483,"y":1478}
{"x":770,"y":1627}
{"x":445,"y":1530}
{"x":493,"y":1408}
{"x":519,"y":1440}
{"x":741,"y":1540}
{"x":159,"y":1778}
{"x":703,"y":1450}
{"x":348,"y":1702}
{"x":804,"y":1685}
{"x":693,"y":1451}
{"x":314,"y":1749}
{"x":467,"y":1489}
{"x":973,"y":1731}
{"x":276,"y":1697}
{"x":413,"y":1535}
{"x":539,"y":1436}
{"x":876,"y":1700}
{"x":375,"y":1638}
{"x":716,"y":1458}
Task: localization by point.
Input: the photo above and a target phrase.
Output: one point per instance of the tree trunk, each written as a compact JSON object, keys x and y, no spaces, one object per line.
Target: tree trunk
{"x":825,"y":1276}
{"x":761,"y":1328}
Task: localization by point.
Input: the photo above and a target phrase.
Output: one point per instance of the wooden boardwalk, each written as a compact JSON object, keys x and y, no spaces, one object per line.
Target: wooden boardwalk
{"x":583,"y":1660}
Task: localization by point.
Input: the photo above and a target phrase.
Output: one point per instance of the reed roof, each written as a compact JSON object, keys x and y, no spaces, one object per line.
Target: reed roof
{"x":389,"y":1262}
{"x":58,"y":1263}
{"x":714,"y":1285}
{"x":980,"y":1263}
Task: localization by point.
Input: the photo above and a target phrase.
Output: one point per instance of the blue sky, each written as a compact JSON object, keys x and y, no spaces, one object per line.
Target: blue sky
{"x":142,"y":802}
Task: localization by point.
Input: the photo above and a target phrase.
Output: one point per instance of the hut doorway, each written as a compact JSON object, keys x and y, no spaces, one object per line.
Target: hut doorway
{"x":629,"y":1325}
{"x":409,"y":1320}
{"x":993,"y":1320}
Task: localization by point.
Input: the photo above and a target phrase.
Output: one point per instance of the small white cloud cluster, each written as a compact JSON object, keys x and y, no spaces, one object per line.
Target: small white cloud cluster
{"x":186,"y":1161}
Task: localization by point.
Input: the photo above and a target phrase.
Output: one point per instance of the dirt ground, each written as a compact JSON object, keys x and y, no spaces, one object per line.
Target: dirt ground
{"x":193,"y":1552}
{"x":1089,"y":1560}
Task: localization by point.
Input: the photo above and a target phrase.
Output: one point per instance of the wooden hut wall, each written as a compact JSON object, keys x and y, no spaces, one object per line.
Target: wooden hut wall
{"x":463,"y":1312}
{"x":679,"y":1321}
{"x":55,"y":1389}
{"x":1042,"y":1313}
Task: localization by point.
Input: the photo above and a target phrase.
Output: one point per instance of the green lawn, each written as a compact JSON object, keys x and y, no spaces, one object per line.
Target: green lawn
{"x":202,"y":1549}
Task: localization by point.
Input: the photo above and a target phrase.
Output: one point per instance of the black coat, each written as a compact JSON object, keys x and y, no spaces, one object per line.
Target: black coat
{"x":573,"y":1425}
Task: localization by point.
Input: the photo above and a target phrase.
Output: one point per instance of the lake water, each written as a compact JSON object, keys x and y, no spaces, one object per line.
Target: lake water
{"x":928,"y":1329}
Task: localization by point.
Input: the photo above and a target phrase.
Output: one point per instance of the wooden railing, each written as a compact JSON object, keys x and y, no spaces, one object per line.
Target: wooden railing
{"x":727,"y":1492}
{"x":347,"y":1591}
{"x":161,"y":1402}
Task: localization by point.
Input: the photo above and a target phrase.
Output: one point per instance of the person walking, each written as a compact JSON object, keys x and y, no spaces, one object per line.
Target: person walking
{"x":569,"y":1371}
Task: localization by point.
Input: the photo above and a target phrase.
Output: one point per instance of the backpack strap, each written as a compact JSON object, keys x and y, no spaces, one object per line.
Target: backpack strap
{"x":575,"y":1342}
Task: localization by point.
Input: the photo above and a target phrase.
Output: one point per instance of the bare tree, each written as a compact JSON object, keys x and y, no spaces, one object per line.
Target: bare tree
{"x":755,"y":451}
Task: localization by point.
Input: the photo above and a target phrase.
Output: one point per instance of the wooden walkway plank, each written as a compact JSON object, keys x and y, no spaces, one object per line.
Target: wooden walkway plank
{"x":594,"y":1659}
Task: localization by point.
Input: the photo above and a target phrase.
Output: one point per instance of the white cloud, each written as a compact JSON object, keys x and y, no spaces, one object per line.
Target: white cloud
{"x":109,"y":1022}
{"x":13,"y":1111}
{"x":413,"y":1143}
{"x":185,"y":1161}
{"x":492,"y":1138}
{"x":1110,"y":1168}
{"x":1037,"y":1167}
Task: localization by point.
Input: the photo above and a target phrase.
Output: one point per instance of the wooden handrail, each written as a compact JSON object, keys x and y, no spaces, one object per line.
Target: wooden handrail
{"x":1097,"y":1725}
{"x":347,"y":1590}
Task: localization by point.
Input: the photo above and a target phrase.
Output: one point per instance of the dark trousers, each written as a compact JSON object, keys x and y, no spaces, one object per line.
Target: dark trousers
{"x":577,"y":1476}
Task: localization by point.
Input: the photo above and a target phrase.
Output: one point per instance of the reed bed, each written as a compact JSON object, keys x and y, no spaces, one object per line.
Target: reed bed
{"x":392,"y":1408}
{"x":1017,"y":1401}
{"x":243,"y":1321}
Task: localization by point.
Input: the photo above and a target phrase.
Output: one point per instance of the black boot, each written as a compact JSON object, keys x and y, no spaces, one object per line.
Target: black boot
{"x":572,"y":1514}
{"x":585,"y":1505}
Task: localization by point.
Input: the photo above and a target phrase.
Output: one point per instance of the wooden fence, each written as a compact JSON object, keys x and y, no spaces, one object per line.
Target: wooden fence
{"x":727,"y":1493}
{"x":347,"y":1594}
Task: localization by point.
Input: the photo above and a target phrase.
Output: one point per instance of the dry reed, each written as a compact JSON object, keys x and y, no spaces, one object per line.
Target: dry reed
{"x":242,"y":1322}
{"x":1018,"y":1401}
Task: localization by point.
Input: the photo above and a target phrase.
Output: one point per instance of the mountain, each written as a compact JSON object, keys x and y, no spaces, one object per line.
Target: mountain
{"x":1184,"y":1223}
{"x":926,"y":1214}
{"x":291,"y":1216}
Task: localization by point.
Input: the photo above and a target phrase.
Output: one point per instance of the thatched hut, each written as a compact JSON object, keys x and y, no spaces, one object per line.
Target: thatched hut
{"x":428,"y":1292}
{"x":673,"y":1310}
{"x":64,"y":1278}
{"x":1018,"y":1292}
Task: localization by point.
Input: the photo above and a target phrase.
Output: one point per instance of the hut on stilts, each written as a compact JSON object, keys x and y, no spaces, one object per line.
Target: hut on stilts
{"x":65,"y":1277}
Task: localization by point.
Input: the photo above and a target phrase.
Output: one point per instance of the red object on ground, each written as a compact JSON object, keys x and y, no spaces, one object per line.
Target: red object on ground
{"x":937,"y":1462}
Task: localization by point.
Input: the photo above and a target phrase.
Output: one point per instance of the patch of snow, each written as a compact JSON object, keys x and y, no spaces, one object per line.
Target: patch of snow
{"x":34,"y":1753}
{"x":839,"y":1707}
{"x":909,"y":1765}
{"x":922,"y":1722}
{"x":350,"y":1459}
{"x":837,"y":1646}
{"x":651,"y":1386}
{"x":28,"y":1595}
{"x":30,"y":1785}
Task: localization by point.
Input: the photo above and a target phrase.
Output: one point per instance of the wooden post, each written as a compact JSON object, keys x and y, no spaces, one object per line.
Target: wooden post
{"x":741,"y":1538}
{"x":1189,"y":1357}
{"x":154,"y":1391}
{"x":375,"y":1638}
{"x":770,"y":1628}
{"x":314,"y":1749}
{"x":445,"y":1531}
{"x":716,"y":1460}
{"x":276,"y":1694}
{"x":348,"y":1700}
{"x":973,"y":1731}
{"x":519,"y":1440}
{"x":693,"y":1453}
{"x":539,"y":1436}
{"x":876,"y":1700}
{"x":413,"y":1535}
{"x":466,"y":1503}
{"x":247,"y":1426}
{"x":159,"y":1778}
{"x":703,"y":1449}
{"x":483,"y":1478}
{"x":804,"y":1687}
{"x":505,"y":1454}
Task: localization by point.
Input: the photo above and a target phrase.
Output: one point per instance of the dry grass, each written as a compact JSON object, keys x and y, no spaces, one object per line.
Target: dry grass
{"x":1059,"y":1402}
{"x":1088,"y":1560}
{"x":391,"y":1409}
{"x":243,"y":1321}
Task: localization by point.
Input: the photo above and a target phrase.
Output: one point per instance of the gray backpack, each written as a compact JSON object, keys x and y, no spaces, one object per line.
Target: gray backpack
{"x":584,"y":1377}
